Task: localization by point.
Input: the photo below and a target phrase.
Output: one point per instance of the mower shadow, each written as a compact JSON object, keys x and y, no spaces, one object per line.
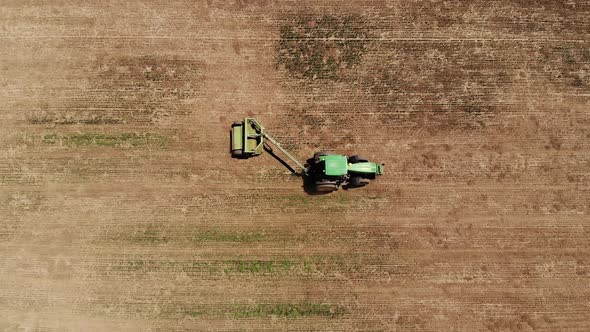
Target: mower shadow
{"x":308,"y":183}
{"x":284,"y":163}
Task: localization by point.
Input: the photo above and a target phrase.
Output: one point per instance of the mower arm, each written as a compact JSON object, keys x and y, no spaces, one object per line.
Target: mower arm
{"x":275,"y":143}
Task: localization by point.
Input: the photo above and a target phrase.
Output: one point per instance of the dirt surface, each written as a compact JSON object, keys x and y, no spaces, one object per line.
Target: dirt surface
{"x":121,"y":209}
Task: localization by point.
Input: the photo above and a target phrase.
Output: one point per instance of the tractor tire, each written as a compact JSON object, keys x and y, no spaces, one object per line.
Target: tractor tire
{"x":357,"y":159}
{"x":326,"y":186}
{"x":357,"y":181}
{"x":236,"y":123}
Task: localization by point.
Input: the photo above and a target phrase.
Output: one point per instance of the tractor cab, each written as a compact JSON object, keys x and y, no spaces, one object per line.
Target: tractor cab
{"x":334,"y":165}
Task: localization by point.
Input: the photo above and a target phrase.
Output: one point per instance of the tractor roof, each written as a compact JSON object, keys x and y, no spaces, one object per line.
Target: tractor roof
{"x":336,"y":165}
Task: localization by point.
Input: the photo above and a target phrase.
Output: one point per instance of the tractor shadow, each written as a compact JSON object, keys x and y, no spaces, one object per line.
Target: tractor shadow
{"x":347,"y":187}
{"x":309,"y":186}
{"x":309,"y":181}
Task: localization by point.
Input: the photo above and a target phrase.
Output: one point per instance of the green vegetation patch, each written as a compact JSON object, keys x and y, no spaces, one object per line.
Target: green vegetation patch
{"x":289,"y":310}
{"x":567,"y":64}
{"x":109,"y":140}
{"x":152,"y":235}
{"x":217,"y":236}
{"x":313,"y":47}
{"x":266,"y":310}
{"x":162,"y":266}
{"x":199,"y":267}
{"x":302,"y":267}
{"x":79,"y":118}
{"x":257,"y":266}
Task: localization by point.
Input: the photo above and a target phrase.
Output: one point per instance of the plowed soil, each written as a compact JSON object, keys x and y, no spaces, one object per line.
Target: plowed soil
{"x":121,"y":209}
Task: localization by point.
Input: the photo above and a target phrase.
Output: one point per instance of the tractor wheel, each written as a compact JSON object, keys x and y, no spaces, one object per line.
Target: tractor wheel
{"x":357,"y":181}
{"x":357,"y":159}
{"x":326,"y":186}
{"x":236,"y":123}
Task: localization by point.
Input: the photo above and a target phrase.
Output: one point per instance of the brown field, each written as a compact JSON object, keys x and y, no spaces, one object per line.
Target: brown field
{"x":121,"y":209}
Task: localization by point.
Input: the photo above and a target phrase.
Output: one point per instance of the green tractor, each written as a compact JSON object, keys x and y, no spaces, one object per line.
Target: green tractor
{"x":326,"y":171}
{"x":330,"y":170}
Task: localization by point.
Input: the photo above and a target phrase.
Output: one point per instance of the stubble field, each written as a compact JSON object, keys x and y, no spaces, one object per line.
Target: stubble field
{"x":121,"y":209}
